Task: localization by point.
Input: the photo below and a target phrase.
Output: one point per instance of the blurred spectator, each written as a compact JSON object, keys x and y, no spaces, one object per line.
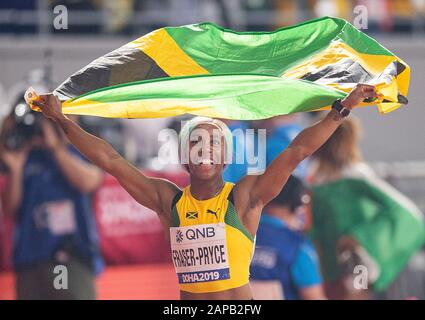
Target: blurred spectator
{"x":403,"y":13}
{"x":255,"y":9}
{"x":285,"y":263}
{"x":335,"y":8}
{"x":290,"y":12}
{"x":141,"y":16}
{"x":193,"y":11}
{"x":119,"y":14}
{"x":365,"y":229}
{"x":3,"y":103}
{"x":84,"y":16}
{"x":5,"y":225}
{"x":48,"y":186}
{"x":280,"y":131}
{"x":17,"y":16}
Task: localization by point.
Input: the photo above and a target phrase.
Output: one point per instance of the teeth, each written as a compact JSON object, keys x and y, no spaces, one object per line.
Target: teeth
{"x":206,"y":161}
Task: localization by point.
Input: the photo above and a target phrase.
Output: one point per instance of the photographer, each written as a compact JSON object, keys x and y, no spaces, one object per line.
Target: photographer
{"x":48,"y":187}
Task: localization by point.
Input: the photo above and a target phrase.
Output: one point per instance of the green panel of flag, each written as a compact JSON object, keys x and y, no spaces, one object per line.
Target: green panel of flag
{"x":203,"y":69}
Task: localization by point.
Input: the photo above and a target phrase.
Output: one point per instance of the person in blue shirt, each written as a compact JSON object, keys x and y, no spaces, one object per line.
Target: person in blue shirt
{"x":280,"y":131}
{"x":48,"y":192}
{"x":285,"y":264}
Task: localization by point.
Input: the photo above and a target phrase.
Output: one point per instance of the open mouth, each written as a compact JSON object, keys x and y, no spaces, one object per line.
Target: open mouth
{"x":206,"y":162}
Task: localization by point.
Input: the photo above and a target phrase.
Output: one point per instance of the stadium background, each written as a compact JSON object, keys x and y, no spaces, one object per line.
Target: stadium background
{"x":32,"y":51}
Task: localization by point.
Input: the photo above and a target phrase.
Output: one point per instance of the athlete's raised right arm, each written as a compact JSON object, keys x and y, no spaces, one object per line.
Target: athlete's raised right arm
{"x":154,"y":193}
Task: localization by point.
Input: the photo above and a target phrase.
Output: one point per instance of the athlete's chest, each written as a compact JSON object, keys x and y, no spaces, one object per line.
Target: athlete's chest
{"x":193,"y":212}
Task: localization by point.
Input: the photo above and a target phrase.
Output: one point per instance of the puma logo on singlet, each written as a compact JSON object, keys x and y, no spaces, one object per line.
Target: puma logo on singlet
{"x":213,"y":212}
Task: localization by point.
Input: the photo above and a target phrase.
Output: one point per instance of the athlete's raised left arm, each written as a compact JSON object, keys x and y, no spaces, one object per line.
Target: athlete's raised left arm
{"x":268,"y":185}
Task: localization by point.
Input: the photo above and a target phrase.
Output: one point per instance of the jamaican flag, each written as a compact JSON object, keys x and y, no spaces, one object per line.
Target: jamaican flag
{"x":206,"y":70}
{"x":387,"y":225}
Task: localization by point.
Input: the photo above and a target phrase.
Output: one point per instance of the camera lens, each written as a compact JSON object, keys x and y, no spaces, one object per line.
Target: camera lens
{"x":29,"y":119}
{"x":21,"y":109}
{"x":26,"y":126}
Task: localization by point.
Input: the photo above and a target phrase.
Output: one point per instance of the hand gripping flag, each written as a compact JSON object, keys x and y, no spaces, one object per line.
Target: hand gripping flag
{"x":203,"y":69}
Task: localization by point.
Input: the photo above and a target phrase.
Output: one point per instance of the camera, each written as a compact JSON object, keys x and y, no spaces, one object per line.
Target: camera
{"x":27,"y":124}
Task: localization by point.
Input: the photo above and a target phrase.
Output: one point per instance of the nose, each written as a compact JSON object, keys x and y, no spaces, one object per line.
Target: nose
{"x":206,"y":148}
{"x":206,"y":153}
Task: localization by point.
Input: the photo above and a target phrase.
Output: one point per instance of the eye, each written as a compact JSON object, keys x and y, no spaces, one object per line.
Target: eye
{"x":215,"y":142}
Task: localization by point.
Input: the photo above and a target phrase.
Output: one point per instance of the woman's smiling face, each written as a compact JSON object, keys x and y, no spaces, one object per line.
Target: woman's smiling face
{"x":206,"y":152}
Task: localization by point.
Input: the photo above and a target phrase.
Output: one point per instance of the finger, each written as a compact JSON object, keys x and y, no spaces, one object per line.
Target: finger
{"x":366,"y":86}
{"x":371,"y":93}
{"x":369,"y":90}
{"x":45,"y":96}
{"x":39,"y":104}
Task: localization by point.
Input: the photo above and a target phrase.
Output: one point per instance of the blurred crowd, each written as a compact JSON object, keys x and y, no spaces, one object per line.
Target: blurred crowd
{"x":129,"y":17}
{"x":327,"y":222}
{"x":334,"y":217}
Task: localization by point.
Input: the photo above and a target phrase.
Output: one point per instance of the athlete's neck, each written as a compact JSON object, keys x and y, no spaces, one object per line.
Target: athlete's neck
{"x":203,"y":190}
